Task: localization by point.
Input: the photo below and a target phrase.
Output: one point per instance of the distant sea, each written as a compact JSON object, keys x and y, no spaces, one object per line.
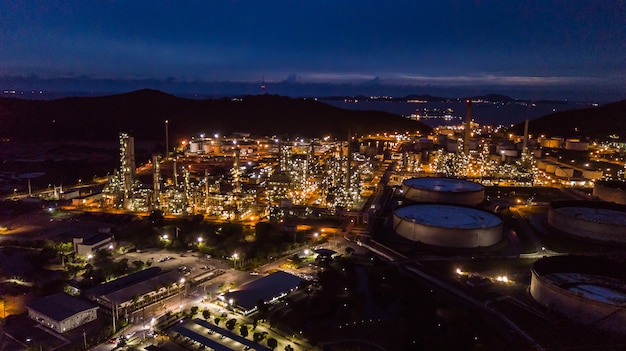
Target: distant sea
{"x":484,"y":113}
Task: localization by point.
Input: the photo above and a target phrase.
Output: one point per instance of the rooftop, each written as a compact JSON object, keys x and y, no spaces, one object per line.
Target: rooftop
{"x":60,"y":306}
{"x":124,"y":282}
{"x":96,"y":238}
{"x":264,"y":289}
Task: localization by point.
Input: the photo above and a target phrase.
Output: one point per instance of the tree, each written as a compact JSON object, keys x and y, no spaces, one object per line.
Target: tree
{"x":233,"y":284}
{"x":258,"y":337}
{"x":230,"y":324}
{"x":272,"y":343}
{"x":217,"y":320}
{"x":288,"y":348}
{"x":121,"y":342}
{"x":206,"y":314}
{"x":73,"y":270}
{"x":243,"y":330}
{"x":194,"y":310}
{"x":156,"y":218}
{"x":138,"y":265}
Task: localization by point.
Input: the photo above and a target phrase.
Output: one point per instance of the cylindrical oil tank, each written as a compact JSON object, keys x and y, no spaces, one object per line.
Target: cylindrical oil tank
{"x":447,"y":225}
{"x":594,"y":220}
{"x":443,"y":190}
{"x":587,"y":289}
{"x":576,"y":144}
{"x":610,"y":191}
{"x":564,"y":172}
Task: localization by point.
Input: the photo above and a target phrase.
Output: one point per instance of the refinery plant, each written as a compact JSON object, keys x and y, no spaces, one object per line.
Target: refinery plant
{"x":242,"y":178}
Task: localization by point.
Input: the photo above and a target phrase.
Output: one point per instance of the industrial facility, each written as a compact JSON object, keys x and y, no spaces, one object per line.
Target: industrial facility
{"x":447,"y":225}
{"x":587,"y":290}
{"x":241,"y":178}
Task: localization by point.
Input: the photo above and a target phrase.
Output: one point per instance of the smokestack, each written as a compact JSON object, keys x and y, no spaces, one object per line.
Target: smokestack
{"x":468,"y":124}
{"x":156,"y":174}
{"x":525,"y":142}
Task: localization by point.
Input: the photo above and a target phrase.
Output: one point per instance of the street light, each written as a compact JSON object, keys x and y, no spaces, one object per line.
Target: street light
{"x":235,"y":257}
{"x":182,"y":284}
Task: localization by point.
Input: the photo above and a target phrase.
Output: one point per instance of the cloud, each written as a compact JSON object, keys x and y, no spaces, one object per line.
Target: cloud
{"x":330,"y":77}
{"x":492,"y":80}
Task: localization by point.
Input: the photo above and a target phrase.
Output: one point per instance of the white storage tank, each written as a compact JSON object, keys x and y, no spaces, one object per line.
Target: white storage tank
{"x":589,"y":290}
{"x":576,"y":144}
{"x":564,"y":172}
{"x":448,"y":225}
{"x":610,"y":190}
{"x":194,"y":146}
{"x":592,"y":175}
{"x":443,"y":190}
{"x":594,"y":220}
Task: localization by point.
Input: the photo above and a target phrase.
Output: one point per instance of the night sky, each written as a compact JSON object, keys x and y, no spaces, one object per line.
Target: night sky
{"x":566,"y":46}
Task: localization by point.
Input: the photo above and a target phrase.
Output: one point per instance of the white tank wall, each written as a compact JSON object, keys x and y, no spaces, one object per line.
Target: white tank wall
{"x":551,"y":143}
{"x":564,"y":172}
{"x":609,"y":194}
{"x":576,"y":145}
{"x":447,"y":237}
{"x":468,"y":198}
{"x":576,"y":307}
{"x":593,"y":175}
{"x":194,"y":146}
{"x":585,"y":228}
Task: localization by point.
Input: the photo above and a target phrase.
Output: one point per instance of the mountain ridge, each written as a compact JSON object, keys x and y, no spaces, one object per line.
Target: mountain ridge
{"x":144,"y":112}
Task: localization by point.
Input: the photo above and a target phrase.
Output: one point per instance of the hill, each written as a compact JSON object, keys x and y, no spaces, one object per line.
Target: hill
{"x":595,"y":122}
{"x":143,"y":112}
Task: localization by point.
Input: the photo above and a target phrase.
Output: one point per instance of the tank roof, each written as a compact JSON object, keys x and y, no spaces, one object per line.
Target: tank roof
{"x":443,"y":184}
{"x":448,"y":216}
{"x":594,"y":277}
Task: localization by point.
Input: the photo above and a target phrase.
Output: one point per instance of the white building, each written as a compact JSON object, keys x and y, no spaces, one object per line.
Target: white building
{"x":62,"y":312}
{"x":88,"y":245}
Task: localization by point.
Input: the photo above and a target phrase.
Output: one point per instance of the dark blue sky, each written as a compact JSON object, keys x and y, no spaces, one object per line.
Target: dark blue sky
{"x":567,"y":46}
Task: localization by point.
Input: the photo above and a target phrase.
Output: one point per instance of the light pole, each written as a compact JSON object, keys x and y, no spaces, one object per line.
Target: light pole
{"x":182,"y":292}
{"x":85,"y":338}
{"x":235,"y":257}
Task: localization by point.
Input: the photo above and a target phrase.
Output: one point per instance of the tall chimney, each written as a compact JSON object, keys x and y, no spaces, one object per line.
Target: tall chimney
{"x":468,"y":127}
{"x":525,"y":142}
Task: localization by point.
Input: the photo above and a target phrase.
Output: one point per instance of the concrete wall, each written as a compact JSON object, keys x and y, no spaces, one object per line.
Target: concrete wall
{"x":576,"y":307}
{"x":447,"y":237}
